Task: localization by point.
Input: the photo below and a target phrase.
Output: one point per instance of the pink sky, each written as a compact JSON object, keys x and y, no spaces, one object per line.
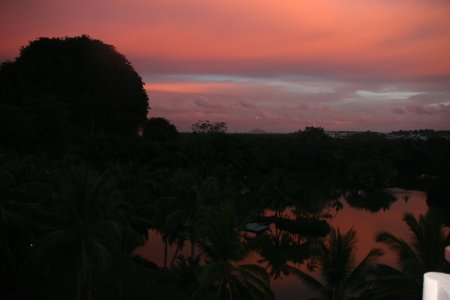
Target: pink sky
{"x":277,"y":65}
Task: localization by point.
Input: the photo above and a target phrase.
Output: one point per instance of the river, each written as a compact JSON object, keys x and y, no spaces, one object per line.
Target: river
{"x":366,"y":223}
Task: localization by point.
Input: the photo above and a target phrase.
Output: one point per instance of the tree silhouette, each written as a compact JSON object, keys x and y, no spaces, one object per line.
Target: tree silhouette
{"x":341,"y":277}
{"x":208,"y":127}
{"x":159,"y":129}
{"x":369,"y":174}
{"x":372,"y":200}
{"x":195,"y":199}
{"x":72,"y":86}
{"x":84,"y":240}
{"x":278,"y":252}
{"x":424,"y":252}
{"x":224,"y":276}
{"x":21,"y":189}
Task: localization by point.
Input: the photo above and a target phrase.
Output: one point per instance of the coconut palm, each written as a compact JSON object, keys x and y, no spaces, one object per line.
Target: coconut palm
{"x":423,"y":252}
{"x":278,"y":252}
{"x":185,"y":272}
{"x":179,"y":213}
{"x":130,"y":186}
{"x":163,"y":207}
{"x":224,"y":276}
{"x":84,"y":236}
{"x":196,"y":196}
{"x":21,"y":188}
{"x":131,"y":193}
{"x":341,"y":277}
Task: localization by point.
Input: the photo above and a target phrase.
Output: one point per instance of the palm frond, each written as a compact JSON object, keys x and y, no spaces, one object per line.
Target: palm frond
{"x":211,"y":273}
{"x":364,"y":268}
{"x":406,"y":256}
{"x":256,"y":270}
{"x":308,"y":280}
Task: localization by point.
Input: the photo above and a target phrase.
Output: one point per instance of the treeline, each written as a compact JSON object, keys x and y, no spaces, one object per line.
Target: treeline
{"x":308,"y":157}
{"x":422,"y":132}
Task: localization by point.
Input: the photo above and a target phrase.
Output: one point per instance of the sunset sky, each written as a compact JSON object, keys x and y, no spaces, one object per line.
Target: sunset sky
{"x":280,"y":65}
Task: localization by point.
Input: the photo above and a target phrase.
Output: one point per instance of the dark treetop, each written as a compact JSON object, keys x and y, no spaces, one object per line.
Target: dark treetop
{"x":77,"y":86}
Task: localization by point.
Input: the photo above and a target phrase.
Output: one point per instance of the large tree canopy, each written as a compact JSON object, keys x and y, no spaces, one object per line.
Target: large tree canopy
{"x":71,"y":86}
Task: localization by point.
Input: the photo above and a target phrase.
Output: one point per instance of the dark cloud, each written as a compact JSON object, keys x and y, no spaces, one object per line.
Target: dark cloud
{"x":429,"y":110}
{"x":246,"y":104}
{"x":398,"y":110}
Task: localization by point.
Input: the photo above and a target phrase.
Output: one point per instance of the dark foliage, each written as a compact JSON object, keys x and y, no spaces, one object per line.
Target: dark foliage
{"x":373,"y":201}
{"x":159,"y":129}
{"x":208,"y":127}
{"x":64,"y":88}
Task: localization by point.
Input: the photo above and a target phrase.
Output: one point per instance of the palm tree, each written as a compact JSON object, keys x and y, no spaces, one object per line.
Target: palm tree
{"x":21,"y":189}
{"x":169,"y":229}
{"x":83,"y":235}
{"x":196,"y":196}
{"x":131,"y":191}
{"x":162,"y":190}
{"x":224,"y":276}
{"x":335,"y":258}
{"x":130,"y":186}
{"x":185,"y":272}
{"x":272,"y":249}
{"x":180,"y":212}
{"x":279,"y":252}
{"x":423,"y":252}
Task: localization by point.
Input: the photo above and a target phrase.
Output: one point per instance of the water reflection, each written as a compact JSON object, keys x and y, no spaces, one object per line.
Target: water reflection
{"x":373,"y":201}
{"x":153,"y":249}
{"x":367,"y":224}
{"x":280,"y":249}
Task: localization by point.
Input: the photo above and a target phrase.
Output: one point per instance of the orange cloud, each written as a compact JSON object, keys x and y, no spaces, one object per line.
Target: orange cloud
{"x":188,"y":87}
{"x":402,"y":37}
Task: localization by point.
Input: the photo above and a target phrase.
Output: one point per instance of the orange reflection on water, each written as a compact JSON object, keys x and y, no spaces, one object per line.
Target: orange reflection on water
{"x":153,"y":249}
{"x":367,"y":224}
